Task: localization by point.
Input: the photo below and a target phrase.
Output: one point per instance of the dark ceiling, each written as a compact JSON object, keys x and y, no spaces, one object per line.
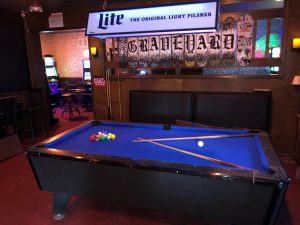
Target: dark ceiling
{"x":47,"y":5}
{"x":23,"y":5}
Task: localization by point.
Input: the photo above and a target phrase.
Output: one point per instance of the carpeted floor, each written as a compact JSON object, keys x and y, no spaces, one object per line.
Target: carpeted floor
{"x":22,"y":203}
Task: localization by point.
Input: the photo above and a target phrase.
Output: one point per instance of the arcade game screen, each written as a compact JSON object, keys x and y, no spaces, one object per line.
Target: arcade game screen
{"x":49,"y":61}
{"x":86,"y":69}
{"x":51,"y":71}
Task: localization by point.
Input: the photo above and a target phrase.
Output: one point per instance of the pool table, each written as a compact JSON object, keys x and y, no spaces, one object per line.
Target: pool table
{"x":233,"y":176}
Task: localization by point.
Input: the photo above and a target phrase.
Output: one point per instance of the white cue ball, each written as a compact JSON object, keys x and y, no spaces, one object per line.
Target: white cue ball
{"x":200,"y":144}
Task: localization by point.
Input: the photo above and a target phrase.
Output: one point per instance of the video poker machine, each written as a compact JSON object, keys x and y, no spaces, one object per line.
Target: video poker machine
{"x":86,"y":76}
{"x":55,"y":93}
{"x":51,"y":73}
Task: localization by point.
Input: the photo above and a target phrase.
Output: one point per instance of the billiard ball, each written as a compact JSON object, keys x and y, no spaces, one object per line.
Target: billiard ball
{"x":200,"y":144}
{"x":102,"y":137}
{"x":92,"y":138}
{"x":112,"y":137}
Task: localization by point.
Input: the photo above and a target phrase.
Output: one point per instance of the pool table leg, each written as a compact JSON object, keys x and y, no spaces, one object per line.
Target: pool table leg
{"x":60,"y":202}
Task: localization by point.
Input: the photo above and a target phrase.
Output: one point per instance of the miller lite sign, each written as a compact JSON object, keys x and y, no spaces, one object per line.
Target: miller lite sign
{"x":158,"y":20}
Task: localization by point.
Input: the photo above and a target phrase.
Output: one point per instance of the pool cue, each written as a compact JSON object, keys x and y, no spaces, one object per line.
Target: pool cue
{"x":110,"y":108}
{"x":197,"y":137}
{"x":120,"y":101}
{"x":218,"y":161}
{"x":108,"y":94}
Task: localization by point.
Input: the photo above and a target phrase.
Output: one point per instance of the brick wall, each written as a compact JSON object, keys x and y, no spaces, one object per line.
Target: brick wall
{"x":69,"y":49}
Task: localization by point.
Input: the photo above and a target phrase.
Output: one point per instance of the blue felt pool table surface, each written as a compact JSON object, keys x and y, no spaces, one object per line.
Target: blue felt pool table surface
{"x":246,"y":151}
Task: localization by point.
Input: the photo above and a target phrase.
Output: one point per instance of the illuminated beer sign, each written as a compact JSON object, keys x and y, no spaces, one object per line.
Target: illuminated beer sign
{"x":158,"y":20}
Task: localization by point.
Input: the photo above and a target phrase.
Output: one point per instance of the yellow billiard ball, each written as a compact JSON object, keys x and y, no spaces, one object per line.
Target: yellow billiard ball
{"x":112,"y":136}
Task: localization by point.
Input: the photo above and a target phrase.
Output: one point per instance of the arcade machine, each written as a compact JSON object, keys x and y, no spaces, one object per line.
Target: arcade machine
{"x":86,"y":70}
{"x":52,"y":78}
{"x":87,"y":96}
{"x":87,"y":74}
{"x":51,"y":73}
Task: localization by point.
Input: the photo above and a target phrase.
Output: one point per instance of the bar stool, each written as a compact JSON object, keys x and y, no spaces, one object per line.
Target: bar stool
{"x":30,"y":118}
{"x":70,"y":105}
{"x":87,"y":101}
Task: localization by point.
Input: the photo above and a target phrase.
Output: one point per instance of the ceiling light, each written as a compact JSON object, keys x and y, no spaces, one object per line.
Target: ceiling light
{"x":35,"y":9}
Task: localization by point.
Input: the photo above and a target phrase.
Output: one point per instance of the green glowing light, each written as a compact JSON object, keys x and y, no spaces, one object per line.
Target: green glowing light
{"x":274,"y":41}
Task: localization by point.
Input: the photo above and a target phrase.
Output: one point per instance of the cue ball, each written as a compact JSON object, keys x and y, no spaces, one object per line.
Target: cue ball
{"x":200,"y":144}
